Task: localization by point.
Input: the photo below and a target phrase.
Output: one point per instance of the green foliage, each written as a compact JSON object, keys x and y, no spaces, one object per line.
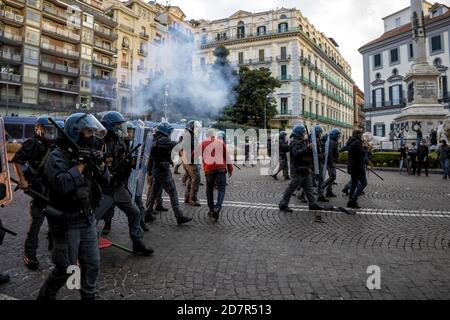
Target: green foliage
{"x":390,"y":159}
{"x":253,"y":102}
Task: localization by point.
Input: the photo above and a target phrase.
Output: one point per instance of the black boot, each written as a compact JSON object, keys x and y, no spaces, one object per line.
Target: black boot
{"x":149,"y":217}
{"x":345,"y":191}
{"x":353,"y":204}
{"x":107,"y":228}
{"x":274,"y":177}
{"x":4,"y":278}
{"x":302,"y":198}
{"x":285,"y":208}
{"x":50,"y":241}
{"x":331,"y":195}
{"x":322,"y":198}
{"x":183,"y":220}
{"x":140,"y":249}
{"x":161,"y":208}
{"x":315,"y":207}
{"x":195,"y":203}
{"x":31,"y":262}
{"x":144,"y":226}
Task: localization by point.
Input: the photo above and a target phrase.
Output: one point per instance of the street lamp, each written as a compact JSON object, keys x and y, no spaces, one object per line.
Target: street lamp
{"x":269,"y":97}
{"x":166,"y":94}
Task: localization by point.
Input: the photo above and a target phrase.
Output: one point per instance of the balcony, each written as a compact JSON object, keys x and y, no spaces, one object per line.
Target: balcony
{"x":262,"y":61}
{"x":141,"y":69}
{"x":284,"y":115}
{"x":124,"y":64}
{"x":105,"y":48}
{"x":245,"y":62}
{"x":58,"y":86}
{"x":104,"y":93}
{"x":142,"y":52}
{"x":144,"y":35}
{"x":60,"y":33}
{"x":10,"y":78}
{"x":283,"y":58}
{"x":59,"y":68}
{"x":125,"y":45}
{"x":12,"y":58}
{"x":104,"y":79}
{"x":11,"y":38}
{"x":105,"y":33}
{"x":54,"y":14}
{"x":55,"y":103}
{"x":11,"y":18}
{"x":10,"y":98}
{"x":55,"y":50}
{"x":19,"y":4}
{"x":124,"y":85}
{"x":105,"y":63}
{"x":284,"y":77}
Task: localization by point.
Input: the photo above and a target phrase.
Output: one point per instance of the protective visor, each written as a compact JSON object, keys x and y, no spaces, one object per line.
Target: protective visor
{"x":91,"y":123}
{"x":48,"y":132}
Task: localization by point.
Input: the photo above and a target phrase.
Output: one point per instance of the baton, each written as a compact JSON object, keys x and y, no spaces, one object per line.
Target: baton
{"x":114,"y":169}
{"x":236,"y":166}
{"x":8,"y":231}
{"x":31,"y":192}
{"x":339,"y":169}
{"x":375,"y":174}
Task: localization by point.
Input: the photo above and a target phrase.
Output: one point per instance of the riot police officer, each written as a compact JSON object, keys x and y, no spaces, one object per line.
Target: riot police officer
{"x":301,"y":162}
{"x":190,"y":163}
{"x":283,"y":159}
{"x":72,"y":178}
{"x":162,"y":176}
{"x":116,"y":193}
{"x":333,"y":158}
{"x":32,"y":155}
{"x":321,"y":159}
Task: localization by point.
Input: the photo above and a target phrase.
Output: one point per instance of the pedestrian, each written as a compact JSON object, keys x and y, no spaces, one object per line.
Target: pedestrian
{"x":72,"y":184}
{"x":32,"y":155}
{"x":190,"y":163}
{"x":301,"y":175}
{"x":216,"y":164}
{"x":412,"y":153}
{"x":422,"y":158}
{"x":403,"y":156}
{"x":333,"y":159}
{"x":283,"y":158}
{"x":356,"y":167}
{"x":162,"y":175}
{"x":116,"y":192}
{"x":321,"y":162}
{"x":444,"y":156}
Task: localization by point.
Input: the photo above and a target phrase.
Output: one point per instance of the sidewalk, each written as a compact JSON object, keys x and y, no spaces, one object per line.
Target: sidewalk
{"x":386,"y":169}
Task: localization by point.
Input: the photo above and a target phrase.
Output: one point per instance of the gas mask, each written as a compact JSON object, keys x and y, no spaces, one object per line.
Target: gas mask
{"x":121,"y":130}
{"x":47,"y":133}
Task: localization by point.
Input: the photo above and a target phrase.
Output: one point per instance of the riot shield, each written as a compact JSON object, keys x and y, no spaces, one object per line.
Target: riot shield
{"x":5,"y":183}
{"x":138,"y":139}
{"x":144,"y":164}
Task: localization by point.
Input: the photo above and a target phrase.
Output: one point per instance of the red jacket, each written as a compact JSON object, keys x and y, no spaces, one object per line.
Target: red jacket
{"x":214,"y":155}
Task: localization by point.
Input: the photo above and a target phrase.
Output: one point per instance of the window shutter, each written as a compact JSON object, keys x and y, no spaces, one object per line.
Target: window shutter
{"x":374,"y":99}
{"x":384,"y":130}
{"x":400,"y":89}
{"x":390,"y":96}
{"x":382,"y":97}
{"x":444,"y":86}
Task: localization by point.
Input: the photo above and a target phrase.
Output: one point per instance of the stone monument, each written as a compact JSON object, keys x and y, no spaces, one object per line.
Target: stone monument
{"x":423,"y":112}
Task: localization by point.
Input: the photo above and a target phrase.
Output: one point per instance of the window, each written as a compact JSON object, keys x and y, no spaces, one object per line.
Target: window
{"x":261,"y":30}
{"x":283,"y":53}
{"x":436,"y":44}
{"x":394,"y":56}
{"x":33,"y":17}
{"x":410,"y":51}
{"x":29,"y":94}
{"x":88,"y":20}
{"x":31,"y":55}
{"x":241,"y":30}
{"x":395,"y":72}
{"x":398,"y":22}
{"x":30,"y":74}
{"x":86,"y":52}
{"x":261,"y":55}
{"x":378,"y":76}
{"x":284,"y":106}
{"x":33,"y":3}
{"x":283,"y":27}
{"x":303,"y":105}
{"x":32,"y":36}
{"x":87,"y":35}
{"x":377,"y":61}
{"x":283,"y":71}
{"x":85,"y":83}
{"x":86,"y":69}
{"x":203,"y":40}
{"x":283,"y":16}
{"x":378,"y":98}
{"x":241,"y":57}
{"x":395,"y":95}
{"x":379,"y":130}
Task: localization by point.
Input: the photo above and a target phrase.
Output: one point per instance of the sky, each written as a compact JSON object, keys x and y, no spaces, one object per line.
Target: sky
{"x":352,"y":23}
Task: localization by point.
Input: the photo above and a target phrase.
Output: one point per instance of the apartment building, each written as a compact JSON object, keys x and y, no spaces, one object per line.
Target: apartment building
{"x":358,"y":97}
{"x":317,"y":87}
{"x":388,"y":59}
{"x":55,"y":56}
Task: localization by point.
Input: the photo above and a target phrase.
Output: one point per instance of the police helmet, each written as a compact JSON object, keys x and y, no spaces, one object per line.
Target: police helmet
{"x":112,"y":119}
{"x":44,"y":129}
{"x":164,"y":128}
{"x":335,"y":133}
{"x":299,"y":130}
{"x":83,"y":123}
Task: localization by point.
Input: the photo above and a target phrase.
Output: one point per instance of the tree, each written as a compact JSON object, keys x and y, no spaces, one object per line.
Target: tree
{"x":255,"y":104}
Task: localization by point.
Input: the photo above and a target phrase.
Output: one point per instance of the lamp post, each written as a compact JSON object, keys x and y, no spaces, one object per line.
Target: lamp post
{"x":166,"y":94}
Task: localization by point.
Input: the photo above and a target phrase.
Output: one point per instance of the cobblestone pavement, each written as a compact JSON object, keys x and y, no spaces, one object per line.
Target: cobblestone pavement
{"x":257,"y":252}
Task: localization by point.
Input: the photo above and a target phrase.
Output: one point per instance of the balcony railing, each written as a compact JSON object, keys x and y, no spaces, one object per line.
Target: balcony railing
{"x":124,"y":64}
{"x":125,"y":27}
{"x":10,"y":56}
{"x":60,"y":31}
{"x":105,"y":47}
{"x":11,"y":16}
{"x":124,"y":85}
{"x":11,"y":98}
{"x":143,"y":52}
{"x":58,"y":13}
{"x":125,"y":45}
{"x":284,"y":77}
{"x":105,"y":93}
{"x":94,"y":3}
{"x":55,"y":102}
{"x":284,"y":114}
{"x":262,"y":61}
{"x":59,"y":67}
{"x":105,"y":63}
{"x":52,"y":47}
{"x":284,"y":58}
{"x":141,"y":69}
{"x":144,"y":35}
{"x":11,"y":36}
{"x":59,"y":86}
{"x":9,"y":77}
{"x":104,"y":78}
{"x":105,"y":32}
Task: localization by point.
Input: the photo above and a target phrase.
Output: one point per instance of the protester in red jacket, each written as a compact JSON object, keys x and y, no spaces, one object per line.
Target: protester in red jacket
{"x":216,"y":164}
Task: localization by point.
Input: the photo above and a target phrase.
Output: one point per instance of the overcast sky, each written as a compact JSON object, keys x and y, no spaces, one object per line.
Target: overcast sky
{"x":352,"y":23}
